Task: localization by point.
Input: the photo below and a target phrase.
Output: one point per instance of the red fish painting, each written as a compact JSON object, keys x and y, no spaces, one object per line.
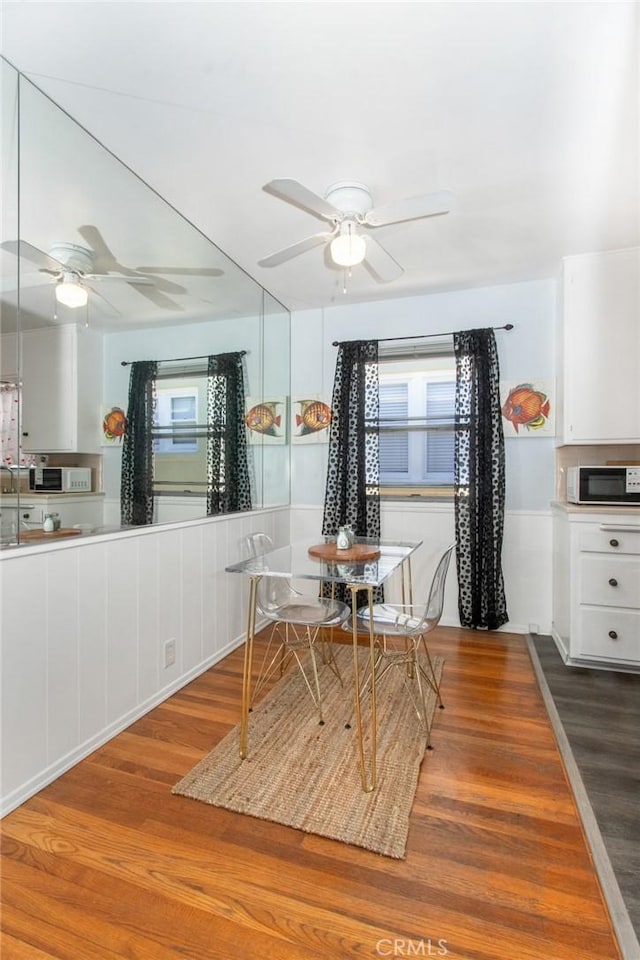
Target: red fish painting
{"x":526,"y":407}
{"x":314,"y":416}
{"x":114,"y":424}
{"x":262,"y":418}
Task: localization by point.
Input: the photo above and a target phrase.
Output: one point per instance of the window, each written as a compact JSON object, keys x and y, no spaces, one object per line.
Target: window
{"x":416,"y":423}
{"x":176,"y":417}
{"x":179,"y":435}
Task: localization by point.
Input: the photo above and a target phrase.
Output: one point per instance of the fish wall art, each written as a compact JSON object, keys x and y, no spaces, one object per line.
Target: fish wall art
{"x":114,"y":425}
{"x":528,"y":408}
{"x":266,"y":420}
{"x":310,"y":419}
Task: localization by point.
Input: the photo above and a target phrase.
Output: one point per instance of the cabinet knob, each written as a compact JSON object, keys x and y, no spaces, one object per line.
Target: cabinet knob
{"x":613,"y":582}
{"x":613,"y":634}
{"x":614,"y":543}
{"x":25,"y":516}
{"x":25,"y":433}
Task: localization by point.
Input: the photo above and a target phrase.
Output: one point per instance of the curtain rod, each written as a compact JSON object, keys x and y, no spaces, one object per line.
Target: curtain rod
{"x":202,"y":356}
{"x":420,"y":336}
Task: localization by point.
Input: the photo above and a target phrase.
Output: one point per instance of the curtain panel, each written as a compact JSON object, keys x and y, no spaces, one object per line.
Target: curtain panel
{"x":228,"y":480}
{"x":353,"y":472}
{"x":479,"y":484}
{"x":136,"y":488}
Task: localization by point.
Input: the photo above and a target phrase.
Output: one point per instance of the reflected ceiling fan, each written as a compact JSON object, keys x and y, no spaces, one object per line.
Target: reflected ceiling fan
{"x":72,"y":269}
{"x":75,"y":269}
{"x":348,"y":206}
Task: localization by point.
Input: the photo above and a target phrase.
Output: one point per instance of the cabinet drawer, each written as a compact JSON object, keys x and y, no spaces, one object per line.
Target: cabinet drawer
{"x":609,"y":634}
{"x":611,"y":538}
{"x":610,"y":581}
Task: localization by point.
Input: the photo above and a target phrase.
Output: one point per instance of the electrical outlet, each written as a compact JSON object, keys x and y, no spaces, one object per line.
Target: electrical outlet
{"x":169,"y":650}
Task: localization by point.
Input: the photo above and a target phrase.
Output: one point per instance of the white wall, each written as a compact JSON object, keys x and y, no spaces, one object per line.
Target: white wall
{"x":527,"y":351}
{"x":83,"y":625}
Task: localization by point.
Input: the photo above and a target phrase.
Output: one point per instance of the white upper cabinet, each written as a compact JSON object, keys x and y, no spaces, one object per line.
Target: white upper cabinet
{"x":600,"y":348}
{"x":9,"y":357}
{"x":61,"y":390}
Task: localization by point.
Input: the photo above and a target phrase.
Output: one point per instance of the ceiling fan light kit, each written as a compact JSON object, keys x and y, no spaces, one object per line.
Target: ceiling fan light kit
{"x":348,"y":248}
{"x":70,"y":293}
{"x":348,"y":206}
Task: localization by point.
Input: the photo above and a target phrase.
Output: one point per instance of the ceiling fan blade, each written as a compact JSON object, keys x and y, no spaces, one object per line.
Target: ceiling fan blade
{"x":430,"y":205}
{"x":275,"y":259}
{"x":159,"y":299}
{"x":97,"y":293}
{"x":20,"y":248}
{"x":136,"y":281}
{"x":381,"y":263}
{"x":294,"y":192}
{"x":184,"y":271}
{"x":105,"y":261}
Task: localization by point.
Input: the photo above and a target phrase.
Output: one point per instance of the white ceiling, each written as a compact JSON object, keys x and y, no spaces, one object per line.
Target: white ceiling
{"x":527,"y":111}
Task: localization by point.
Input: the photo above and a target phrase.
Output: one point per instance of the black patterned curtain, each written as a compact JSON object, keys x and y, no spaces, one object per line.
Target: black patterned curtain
{"x":228,"y":482}
{"x":353,"y":472}
{"x":479,"y":481}
{"x":136,"y":487}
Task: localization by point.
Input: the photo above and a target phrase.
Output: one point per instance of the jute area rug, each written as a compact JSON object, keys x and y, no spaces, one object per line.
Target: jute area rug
{"x":307,"y":776}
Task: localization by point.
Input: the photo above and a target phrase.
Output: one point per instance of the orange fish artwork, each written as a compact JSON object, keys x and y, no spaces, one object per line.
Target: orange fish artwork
{"x":114,"y":424}
{"x":262,"y":419}
{"x":314,"y":415}
{"x":526,"y":407}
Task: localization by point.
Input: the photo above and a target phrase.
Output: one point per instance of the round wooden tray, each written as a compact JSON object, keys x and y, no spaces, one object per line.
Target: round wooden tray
{"x":358,"y":553}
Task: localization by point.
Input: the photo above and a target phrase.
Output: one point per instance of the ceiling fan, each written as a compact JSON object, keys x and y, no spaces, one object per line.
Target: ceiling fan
{"x":71,"y":267}
{"x":348,"y":206}
{"x":75,"y":269}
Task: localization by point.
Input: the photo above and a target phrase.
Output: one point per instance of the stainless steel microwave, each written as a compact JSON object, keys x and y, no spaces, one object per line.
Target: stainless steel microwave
{"x":615,"y":485}
{"x":60,"y":479}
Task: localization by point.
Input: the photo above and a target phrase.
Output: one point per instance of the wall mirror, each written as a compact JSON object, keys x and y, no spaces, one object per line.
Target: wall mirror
{"x":156,"y":289}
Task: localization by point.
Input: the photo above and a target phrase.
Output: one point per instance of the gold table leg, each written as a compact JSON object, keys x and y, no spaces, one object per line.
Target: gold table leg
{"x":248,"y":658}
{"x":368,"y":778}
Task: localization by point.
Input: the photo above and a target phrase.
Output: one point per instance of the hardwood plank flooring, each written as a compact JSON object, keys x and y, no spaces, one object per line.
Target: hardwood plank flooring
{"x":600,"y":714}
{"x":106,"y":862}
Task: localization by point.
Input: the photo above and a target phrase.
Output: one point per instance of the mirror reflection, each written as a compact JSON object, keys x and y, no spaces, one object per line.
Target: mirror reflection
{"x":100,"y":273}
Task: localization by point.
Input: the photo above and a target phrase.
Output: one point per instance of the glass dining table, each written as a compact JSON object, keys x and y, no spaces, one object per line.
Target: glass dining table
{"x":300,"y":561}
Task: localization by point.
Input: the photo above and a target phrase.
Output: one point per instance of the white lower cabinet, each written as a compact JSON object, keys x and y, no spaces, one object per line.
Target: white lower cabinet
{"x":596,"y":594}
{"x":82,"y":508}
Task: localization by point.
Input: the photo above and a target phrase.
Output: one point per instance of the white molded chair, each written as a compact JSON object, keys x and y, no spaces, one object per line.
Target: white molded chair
{"x":400,"y":631}
{"x":297,"y":620}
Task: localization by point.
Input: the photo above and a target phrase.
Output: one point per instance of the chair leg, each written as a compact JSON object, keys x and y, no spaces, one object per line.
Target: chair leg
{"x":433,"y":682}
{"x":328,"y":658}
{"x":418,"y":674}
{"x":315,"y":695}
{"x":268,"y":667}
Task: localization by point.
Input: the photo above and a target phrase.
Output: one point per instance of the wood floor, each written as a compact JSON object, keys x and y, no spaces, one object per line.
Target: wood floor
{"x":106,"y":862}
{"x":600,"y":714}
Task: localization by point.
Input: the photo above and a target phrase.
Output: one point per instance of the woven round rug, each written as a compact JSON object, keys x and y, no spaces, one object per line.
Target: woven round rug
{"x":307,"y":776}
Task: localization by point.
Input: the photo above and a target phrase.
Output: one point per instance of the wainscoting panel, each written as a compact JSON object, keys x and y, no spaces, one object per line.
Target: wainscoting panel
{"x":92,"y":598}
{"x":526,"y":556}
{"x":84,"y":625}
{"x":84,"y":622}
{"x":62,"y":631}
{"x":23,"y":669}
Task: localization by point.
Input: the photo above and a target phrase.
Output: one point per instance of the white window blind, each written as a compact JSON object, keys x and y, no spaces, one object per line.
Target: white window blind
{"x":394,"y":446}
{"x":416,"y":421}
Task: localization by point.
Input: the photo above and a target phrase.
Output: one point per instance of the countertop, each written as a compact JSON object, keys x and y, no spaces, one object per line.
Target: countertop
{"x":26,"y":496}
{"x":609,"y":509}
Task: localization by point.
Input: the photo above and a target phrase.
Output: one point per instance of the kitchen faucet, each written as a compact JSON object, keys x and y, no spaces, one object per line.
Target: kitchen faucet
{"x":11,"y":489}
